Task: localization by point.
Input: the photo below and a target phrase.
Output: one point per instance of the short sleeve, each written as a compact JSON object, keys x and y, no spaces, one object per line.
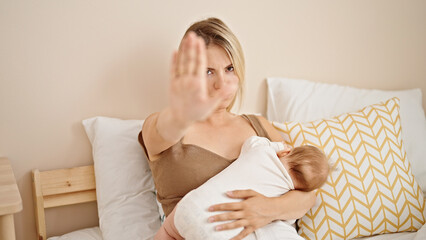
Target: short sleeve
{"x":257,"y":142}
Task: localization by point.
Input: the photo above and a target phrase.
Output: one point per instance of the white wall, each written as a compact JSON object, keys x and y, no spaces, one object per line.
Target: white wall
{"x":64,"y":61}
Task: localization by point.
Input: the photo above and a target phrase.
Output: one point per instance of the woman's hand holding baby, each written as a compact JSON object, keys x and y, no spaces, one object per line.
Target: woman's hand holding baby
{"x":251,"y":213}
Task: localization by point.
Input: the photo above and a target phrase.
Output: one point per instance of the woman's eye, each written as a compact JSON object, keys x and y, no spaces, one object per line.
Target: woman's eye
{"x":209,"y":72}
{"x":230,"y":69}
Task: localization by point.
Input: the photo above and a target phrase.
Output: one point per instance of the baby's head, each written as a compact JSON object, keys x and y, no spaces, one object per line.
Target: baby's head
{"x":307,"y":165}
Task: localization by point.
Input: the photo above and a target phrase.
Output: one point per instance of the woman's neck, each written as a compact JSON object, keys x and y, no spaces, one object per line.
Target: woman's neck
{"x":219,"y":117}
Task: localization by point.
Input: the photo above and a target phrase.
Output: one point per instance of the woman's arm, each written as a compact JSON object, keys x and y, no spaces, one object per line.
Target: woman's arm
{"x":255,"y":210}
{"x":293,"y":205}
{"x":160,"y":131}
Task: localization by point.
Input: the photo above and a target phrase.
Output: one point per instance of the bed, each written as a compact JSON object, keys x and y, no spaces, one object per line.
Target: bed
{"x":130,"y":211}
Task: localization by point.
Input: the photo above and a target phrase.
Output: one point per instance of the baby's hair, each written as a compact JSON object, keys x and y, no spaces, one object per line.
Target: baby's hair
{"x":307,"y":161}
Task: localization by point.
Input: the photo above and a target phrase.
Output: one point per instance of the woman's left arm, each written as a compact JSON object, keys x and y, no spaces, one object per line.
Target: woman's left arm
{"x":256,"y":210}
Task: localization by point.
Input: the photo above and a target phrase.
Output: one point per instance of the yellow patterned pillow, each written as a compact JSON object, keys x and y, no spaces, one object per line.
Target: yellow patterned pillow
{"x":372,"y":190}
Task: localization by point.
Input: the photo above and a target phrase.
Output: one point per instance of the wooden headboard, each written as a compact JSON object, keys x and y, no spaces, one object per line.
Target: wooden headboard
{"x":59,"y":188}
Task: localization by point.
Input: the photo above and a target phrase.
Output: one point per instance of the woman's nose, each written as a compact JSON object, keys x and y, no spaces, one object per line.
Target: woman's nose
{"x":219,"y":81}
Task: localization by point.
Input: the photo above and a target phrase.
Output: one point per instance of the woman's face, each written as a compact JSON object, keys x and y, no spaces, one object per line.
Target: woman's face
{"x":221,"y":76}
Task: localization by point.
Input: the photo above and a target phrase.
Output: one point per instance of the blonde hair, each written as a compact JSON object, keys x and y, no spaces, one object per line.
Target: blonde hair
{"x":214,"y":31}
{"x":307,"y":161}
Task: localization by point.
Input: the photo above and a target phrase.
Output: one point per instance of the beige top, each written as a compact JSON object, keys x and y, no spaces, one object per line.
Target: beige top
{"x":174,"y":178}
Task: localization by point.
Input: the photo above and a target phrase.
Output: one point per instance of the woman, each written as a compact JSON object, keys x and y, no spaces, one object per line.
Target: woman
{"x":197,"y":136}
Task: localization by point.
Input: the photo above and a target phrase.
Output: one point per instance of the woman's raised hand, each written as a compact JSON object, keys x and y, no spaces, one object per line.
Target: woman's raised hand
{"x":189,"y":96}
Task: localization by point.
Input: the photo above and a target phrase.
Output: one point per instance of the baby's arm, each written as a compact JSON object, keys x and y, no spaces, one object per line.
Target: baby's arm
{"x":255,"y":142}
{"x":168,"y":230}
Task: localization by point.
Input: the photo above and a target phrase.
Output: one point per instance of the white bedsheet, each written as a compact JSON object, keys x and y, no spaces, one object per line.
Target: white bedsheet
{"x":93,"y":233}
{"x":419,"y":235}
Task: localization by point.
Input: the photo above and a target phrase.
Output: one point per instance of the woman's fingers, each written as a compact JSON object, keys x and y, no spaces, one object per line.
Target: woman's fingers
{"x":201,"y":58}
{"x":246,"y":231}
{"x":234,"y":206}
{"x":190,"y":54}
{"x":232,"y":225}
{"x":242,"y":193}
{"x":237,"y":224}
{"x":226,"y":216}
{"x":180,"y":63}
{"x":187,"y":56}
{"x":226,"y":207}
{"x":248,"y":214}
{"x":173,"y":66}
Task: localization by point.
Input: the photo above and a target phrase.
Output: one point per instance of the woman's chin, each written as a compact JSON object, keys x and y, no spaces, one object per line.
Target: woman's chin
{"x":225,"y":105}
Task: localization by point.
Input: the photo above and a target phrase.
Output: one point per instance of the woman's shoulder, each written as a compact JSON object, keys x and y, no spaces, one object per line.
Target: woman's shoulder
{"x":273,"y":133}
{"x":153,"y":142}
{"x":149,"y":123}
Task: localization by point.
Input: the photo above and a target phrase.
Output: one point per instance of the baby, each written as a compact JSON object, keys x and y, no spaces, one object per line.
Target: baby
{"x":269,"y":168}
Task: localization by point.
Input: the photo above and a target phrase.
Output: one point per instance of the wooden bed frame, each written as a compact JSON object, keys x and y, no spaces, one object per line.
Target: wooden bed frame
{"x":61,"y":187}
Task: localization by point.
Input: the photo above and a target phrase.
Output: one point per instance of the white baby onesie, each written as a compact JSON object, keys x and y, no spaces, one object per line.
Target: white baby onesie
{"x":258,"y":168}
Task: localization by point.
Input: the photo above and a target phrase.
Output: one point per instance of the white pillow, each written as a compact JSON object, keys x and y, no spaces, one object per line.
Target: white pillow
{"x":304,"y":101}
{"x":124,"y":187}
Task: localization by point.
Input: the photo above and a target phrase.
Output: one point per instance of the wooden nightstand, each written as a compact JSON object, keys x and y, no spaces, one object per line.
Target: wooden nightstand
{"x":10,"y":200}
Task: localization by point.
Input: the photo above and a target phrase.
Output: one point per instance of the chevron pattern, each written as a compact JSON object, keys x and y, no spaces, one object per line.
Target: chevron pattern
{"x":372,"y":190}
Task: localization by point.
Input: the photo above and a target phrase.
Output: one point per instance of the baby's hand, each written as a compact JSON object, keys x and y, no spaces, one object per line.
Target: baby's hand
{"x":287,"y":147}
{"x":286,"y":150}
